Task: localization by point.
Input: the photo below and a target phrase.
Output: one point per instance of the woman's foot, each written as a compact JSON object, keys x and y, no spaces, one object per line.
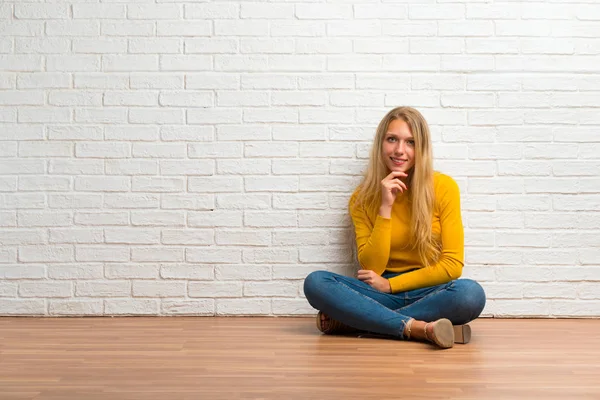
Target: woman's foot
{"x":329,"y":325}
{"x":323,"y":319}
{"x":439,"y":332}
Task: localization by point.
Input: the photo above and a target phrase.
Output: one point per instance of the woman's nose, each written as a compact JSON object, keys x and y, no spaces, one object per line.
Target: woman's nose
{"x":400,"y":147}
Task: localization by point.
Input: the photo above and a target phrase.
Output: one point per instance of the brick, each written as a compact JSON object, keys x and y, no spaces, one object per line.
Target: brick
{"x":103,"y":116}
{"x":154,"y":11}
{"x":8,"y":289}
{"x":494,"y":220}
{"x":156,"y":81}
{"x":268,"y":81}
{"x":99,"y":46}
{"x":264,"y":219}
{"x":131,"y":63}
{"x":370,"y":62}
{"x":126,"y":28}
{"x":157,"y":254}
{"x":23,"y":201}
{"x":187,"y":237}
{"x":157,"y":218}
{"x":241,"y":28}
{"x":158,"y":289}
{"x":46,"y":253}
{"x":301,"y":28}
{"x":324,"y":46}
{"x":22,"y":28}
{"x":410,"y":28}
{"x":41,"y":11}
{"x":221,"y":81}
{"x":216,"y":218}
{"x":69,"y":235}
{"x":76,"y":307}
{"x":215,"y":184}
{"x":59,"y":98}
{"x":333,"y":183}
{"x":243,"y":307}
{"x":270,"y":255}
{"x":574,"y":308}
{"x":131,"y":307}
{"x":131,"y":271}
{"x":103,"y":150}
{"x":384,"y":81}
{"x":320,"y":254}
{"x":20,"y":63}
{"x":211,"y":46}
{"x":244,"y":201}
{"x":100,"y":81}
{"x":102,"y":253}
{"x":292,"y":307}
{"x":101,"y":11}
{"x":182,"y":201}
{"x":243,"y":237}
{"x":214,"y":255}
{"x":285,"y":115}
{"x":326,"y":81}
{"x":214,"y":116}
{"x":300,"y":201}
{"x":187,"y":307}
{"x":22,"y":271}
{"x":296,"y":98}
{"x":271,"y":149}
{"x":102,"y":184}
{"x":76,"y":272}
{"x":131,"y":167}
{"x":242,"y":272}
{"x":524,"y":274}
{"x":187,"y":272}
{"x":22,"y":307}
{"x":354,"y":28}
{"x":270,"y":184}
{"x":185,"y":63}
{"x":45,"y":289}
{"x":466,"y":28}
{"x":274,"y":288}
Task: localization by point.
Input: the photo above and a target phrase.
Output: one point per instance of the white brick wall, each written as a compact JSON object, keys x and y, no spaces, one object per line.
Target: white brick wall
{"x":196,"y":158}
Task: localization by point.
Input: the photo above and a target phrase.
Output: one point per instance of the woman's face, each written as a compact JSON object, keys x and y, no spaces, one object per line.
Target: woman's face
{"x":398,"y":147}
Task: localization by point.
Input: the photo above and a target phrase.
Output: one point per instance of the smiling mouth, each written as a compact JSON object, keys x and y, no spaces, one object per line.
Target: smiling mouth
{"x":398,"y":161}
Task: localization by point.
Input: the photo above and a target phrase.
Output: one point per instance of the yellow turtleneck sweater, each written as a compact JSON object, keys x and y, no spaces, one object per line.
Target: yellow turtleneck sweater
{"x":384,"y":244}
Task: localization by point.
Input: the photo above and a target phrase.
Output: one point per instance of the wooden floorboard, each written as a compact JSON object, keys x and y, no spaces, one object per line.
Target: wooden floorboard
{"x":286,"y":358}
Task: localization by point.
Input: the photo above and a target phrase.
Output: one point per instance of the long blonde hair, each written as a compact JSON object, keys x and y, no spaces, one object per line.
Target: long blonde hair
{"x":420,"y":182}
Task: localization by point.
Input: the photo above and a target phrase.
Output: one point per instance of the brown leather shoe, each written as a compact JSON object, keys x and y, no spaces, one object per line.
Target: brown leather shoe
{"x":462,"y":334}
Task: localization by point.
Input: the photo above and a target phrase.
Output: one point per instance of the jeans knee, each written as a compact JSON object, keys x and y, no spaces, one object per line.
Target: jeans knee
{"x":313,"y":283}
{"x":472,"y":296}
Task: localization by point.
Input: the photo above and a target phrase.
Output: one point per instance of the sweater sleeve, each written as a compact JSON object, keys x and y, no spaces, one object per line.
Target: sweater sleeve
{"x":449,"y":265}
{"x":372,"y":240}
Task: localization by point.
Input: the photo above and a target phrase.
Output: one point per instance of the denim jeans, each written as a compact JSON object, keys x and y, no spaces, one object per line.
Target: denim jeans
{"x":360,"y":306}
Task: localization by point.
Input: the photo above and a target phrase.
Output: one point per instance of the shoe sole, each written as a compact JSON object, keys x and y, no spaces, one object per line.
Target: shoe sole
{"x":462,"y":334}
{"x":443,"y":333}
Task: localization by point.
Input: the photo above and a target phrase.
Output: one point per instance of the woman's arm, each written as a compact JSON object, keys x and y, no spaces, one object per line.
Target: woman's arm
{"x":449,"y":266}
{"x":372,"y":240}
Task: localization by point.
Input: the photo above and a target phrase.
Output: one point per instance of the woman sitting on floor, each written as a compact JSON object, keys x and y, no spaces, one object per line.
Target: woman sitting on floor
{"x":410,"y":246}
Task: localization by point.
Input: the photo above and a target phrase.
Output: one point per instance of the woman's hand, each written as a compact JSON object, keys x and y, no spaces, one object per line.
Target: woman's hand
{"x":391,"y":185}
{"x":375,"y":281}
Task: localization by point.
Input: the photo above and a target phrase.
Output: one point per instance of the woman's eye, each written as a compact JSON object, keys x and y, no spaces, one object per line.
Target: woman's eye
{"x":411,"y":142}
{"x":391,"y":139}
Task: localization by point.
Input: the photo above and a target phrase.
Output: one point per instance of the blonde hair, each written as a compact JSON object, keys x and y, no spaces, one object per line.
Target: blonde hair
{"x":420,"y":182}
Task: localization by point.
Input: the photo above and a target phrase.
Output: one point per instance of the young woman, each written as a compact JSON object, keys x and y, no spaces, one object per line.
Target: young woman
{"x":410,"y":247}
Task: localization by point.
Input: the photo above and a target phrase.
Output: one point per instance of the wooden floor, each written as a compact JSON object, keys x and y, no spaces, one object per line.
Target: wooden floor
{"x":286,"y":358}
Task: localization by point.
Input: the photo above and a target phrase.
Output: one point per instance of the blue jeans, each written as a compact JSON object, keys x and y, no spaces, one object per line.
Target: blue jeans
{"x":360,"y":306}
